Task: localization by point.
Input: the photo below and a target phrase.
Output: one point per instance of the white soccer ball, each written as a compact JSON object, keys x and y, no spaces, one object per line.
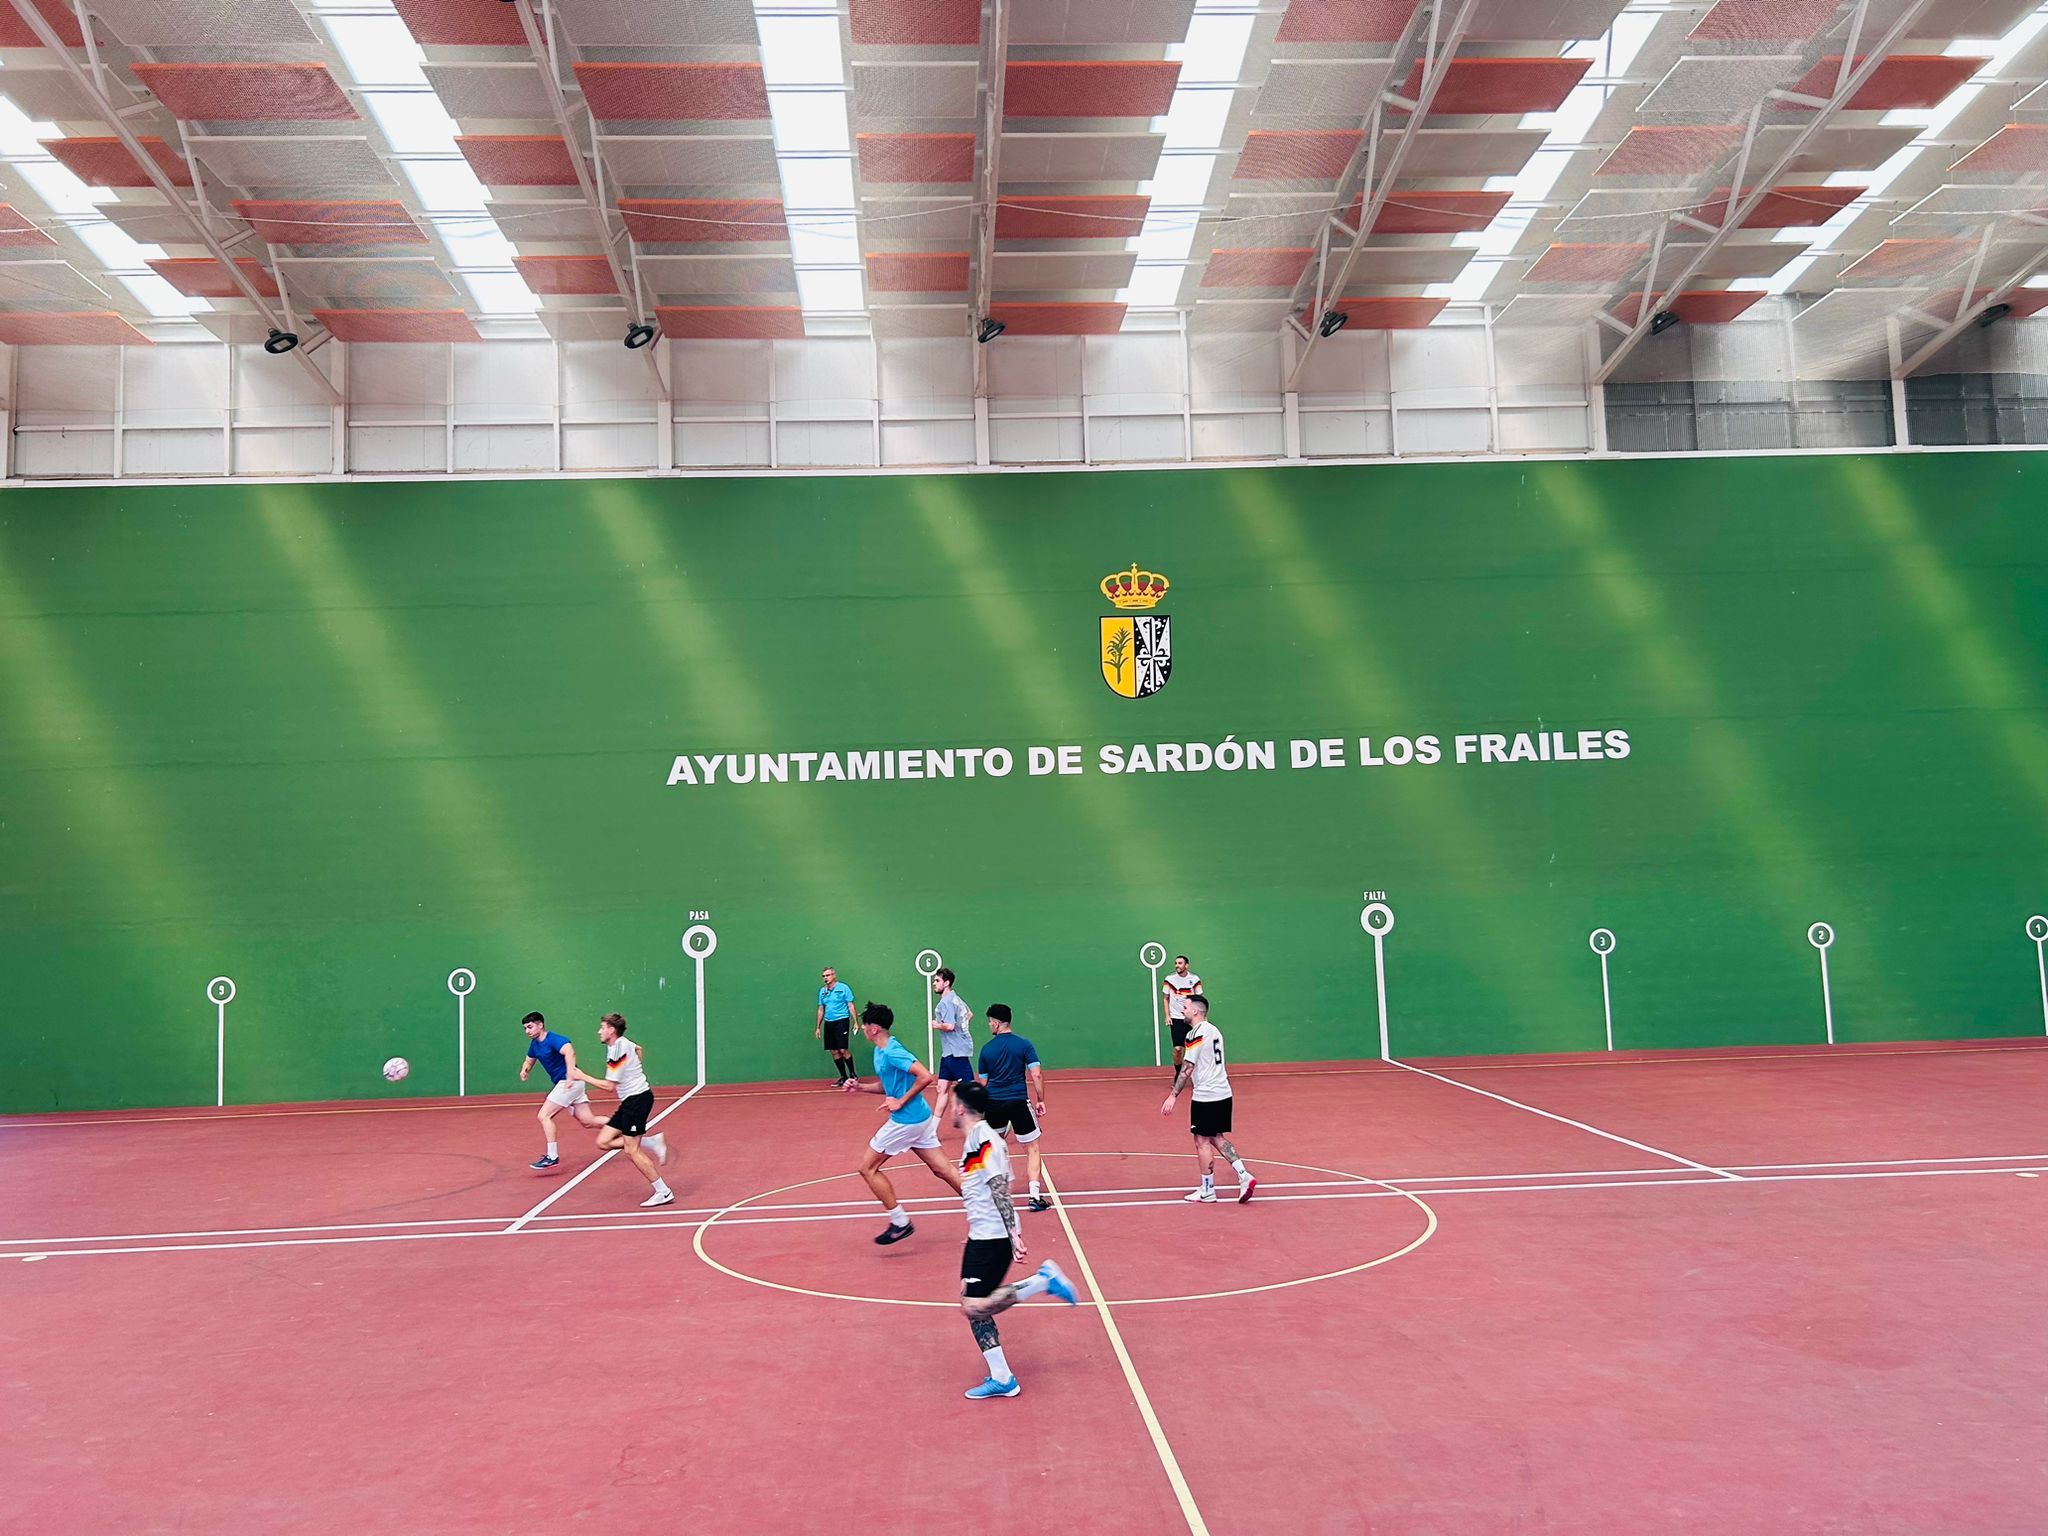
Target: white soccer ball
{"x":396,"y":1068}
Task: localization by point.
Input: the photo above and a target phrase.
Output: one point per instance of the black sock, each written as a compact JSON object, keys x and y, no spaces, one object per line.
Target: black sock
{"x":845,"y":1068}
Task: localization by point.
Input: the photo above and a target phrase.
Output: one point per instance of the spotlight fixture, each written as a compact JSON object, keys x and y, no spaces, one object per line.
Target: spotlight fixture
{"x":1333,"y":321}
{"x":1993,"y":315}
{"x":988,"y":330}
{"x":638,"y":336}
{"x":1662,"y":321}
{"x":277,"y":343}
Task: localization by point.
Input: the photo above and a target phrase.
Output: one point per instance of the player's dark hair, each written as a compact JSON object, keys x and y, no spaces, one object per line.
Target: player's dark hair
{"x":881,"y":1015}
{"x":972,"y":1097}
{"x":1180,"y":957}
{"x":1196,"y":999}
{"x":616,"y":1020}
{"x":945,"y":974}
{"x":1000,"y":1012}
{"x":533,"y":1018}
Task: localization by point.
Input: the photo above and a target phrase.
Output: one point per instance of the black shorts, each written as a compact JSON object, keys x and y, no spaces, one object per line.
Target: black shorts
{"x":1012,"y":1115}
{"x":1210,"y":1117}
{"x":956,"y":1069}
{"x":631,"y":1115}
{"x":835,"y":1033}
{"x":1180,"y":1032}
{"x":983,"y":1263}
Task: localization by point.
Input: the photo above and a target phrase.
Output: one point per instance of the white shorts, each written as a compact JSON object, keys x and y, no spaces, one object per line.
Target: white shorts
{"x":894,"y":1137}
{"x":568,"y":1093}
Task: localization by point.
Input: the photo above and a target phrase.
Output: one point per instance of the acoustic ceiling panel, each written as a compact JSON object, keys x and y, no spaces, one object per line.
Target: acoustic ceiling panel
{"x":47,"y":285}
{"x":1401,"y":266}
{"x":371,"y":326}
{"x":1022,"y":319}
{"x":1587,"y":263}
{"x":1436,"y":213}
{"x":15,"y":33}
{"x":690,"y":160}
{"x":247,"y":93}
{"x":105,"y":162}
{"x":918,"y":23}
{"x":503,"y":90}
{"x":1719,"y":86}
{"x":1346,"y":21}
{"x":918,"y":272}
{"x":201,"y":277}
{"x":17,"y":231}
{"x":1100,"y":23}
{"x":1385,"y":314}
{"x":1050,"y":158}
{"x":566,"y":275}
{"x":926,"y":158}
{"x":721,"y":24}
{"x":1274,"y":267}
{"x":369,"y":283}
{"x":649,"y":92}
{"x":518,"y":159}
{"x":1019,"y":272}
{"x":1662,"y":150}
{"x":1609,"y":213}
{"x":1090,"y":88}
{"x":729,"y":322}
{"x":1497,"y":87}
{"x":96,"y":328}
{"x":271,"y":24}
{"x":1319,"y":93}
{"x":1890,"y":260}
{"x":1784,"y":207}
{"x":1694,"y":307}
{"x":1070,"y":218}
{"x":2017,"y":149}
{"x":1903,"y":82}
{"x":1441,"y":154}
{"x":308,"y":221}
{"x":754,"y":276}
{"x":462,"y":23}
{"x":703,"y":220}
{"x":1297,"y":156}
{"x":1766,"y":21}
{"x":287,"y":162}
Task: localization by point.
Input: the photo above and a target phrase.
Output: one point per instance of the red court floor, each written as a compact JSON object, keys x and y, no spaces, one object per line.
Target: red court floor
{"x":1762,"y":1291}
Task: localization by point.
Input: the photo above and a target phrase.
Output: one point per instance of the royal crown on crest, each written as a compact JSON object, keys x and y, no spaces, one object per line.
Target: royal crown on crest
{"x":1134,"y":588}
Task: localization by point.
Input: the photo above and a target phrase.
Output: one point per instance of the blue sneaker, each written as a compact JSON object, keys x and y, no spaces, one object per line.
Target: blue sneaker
{"x":1057,"y":1283}
{"x":993,"y":1388}
{"x":545,"y":1162}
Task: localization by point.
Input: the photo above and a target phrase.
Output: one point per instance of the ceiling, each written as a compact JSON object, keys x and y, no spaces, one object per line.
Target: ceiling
{"x":433,"y":170}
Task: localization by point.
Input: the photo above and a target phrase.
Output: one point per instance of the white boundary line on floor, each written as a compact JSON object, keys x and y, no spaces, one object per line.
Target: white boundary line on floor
{"x":663,"y":1221}
{"x":570,"y":1183}
{"x":1189,"y":1511}
{"x":1566,"y":1120}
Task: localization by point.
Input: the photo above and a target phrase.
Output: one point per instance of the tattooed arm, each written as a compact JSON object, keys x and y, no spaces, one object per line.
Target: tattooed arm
{"x":1181,"y":1075}
{"x":999,"y":1192}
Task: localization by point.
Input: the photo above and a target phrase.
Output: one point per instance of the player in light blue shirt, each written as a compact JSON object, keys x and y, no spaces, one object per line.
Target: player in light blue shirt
{"x":901,"y":1079}
{"x":835,"y":1024}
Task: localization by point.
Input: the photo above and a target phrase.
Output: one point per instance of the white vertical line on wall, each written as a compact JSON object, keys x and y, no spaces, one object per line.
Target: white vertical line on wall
{"x":227,"y":416}
{"x":875,"y":393}
{"x":1087,"y":434}
{"x":1596,"y":391}
{"x":337,"y":415}
{"x":448,"y":411}
{"x":120,"y":410}
{"x":1493,"y":442}
{"x":555,"y":349}
{"x":1187,"y":391}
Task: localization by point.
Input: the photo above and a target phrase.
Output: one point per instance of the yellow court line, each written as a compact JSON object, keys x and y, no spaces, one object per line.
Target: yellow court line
{"x":1197,"y":1526}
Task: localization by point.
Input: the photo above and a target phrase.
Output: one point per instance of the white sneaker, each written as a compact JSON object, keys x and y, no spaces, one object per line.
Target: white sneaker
{"x":1200,"y":1196}
{"x":660,"y":1197}
{"x":658,"y":1145}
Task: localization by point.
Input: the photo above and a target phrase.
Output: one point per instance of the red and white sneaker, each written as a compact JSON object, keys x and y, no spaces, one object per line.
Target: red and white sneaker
{"x":1245,"y":1188}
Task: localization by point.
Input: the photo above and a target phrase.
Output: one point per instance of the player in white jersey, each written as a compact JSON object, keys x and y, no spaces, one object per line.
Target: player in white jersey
{"x":994,"y":1238}
{"x":1180,"y":984}
{"x":1209,"y":1111}
{"x":626,"y":1131}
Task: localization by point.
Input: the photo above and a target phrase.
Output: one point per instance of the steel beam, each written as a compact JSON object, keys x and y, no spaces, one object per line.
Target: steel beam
{"x":1742,"y":204}
{"x":1375,"y":174}
{"x":82,"y":78}
{"x":588,"y":173}
{"x":1970,"y":310}
{"x":988,"y":180}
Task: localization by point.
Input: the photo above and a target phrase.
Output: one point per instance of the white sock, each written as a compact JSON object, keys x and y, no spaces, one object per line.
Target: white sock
{"x":1037,"y":1285}
{"x":1243,"y":1172}
{"x":998,"y":1367}
{"x":898,"y":1219}
{"x":554,"y":1150}
{"x":1208,"y":1181}
{"x":661,"y":1187}
{"x":1034,"y":1189}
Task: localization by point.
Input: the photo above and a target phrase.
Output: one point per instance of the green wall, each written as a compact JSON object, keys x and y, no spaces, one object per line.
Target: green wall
{"x":335,"y":740}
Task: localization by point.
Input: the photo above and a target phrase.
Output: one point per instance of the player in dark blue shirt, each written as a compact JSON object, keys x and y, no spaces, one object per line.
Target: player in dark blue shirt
{"x":1016,"y":1088}
{"x":557,"y":1058}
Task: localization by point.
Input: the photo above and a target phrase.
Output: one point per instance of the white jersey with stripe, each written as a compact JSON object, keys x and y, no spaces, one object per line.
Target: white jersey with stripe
{"x":622,"y":1068}
{"x":983,"y":1157}
{"x":1179,"y":988}
{"x":1205,"y":1057}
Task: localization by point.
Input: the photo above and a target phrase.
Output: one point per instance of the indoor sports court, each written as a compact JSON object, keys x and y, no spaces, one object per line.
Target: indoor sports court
{"x":1181,"y":766}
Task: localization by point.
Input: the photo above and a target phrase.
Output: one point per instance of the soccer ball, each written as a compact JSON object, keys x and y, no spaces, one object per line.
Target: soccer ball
{"x":396,"y":1068}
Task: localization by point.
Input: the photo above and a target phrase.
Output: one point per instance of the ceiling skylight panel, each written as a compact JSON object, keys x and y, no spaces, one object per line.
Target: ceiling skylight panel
{"x":804,"y":66}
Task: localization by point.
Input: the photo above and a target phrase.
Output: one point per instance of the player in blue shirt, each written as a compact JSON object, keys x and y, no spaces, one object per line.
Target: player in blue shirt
{"x":557,"y":1058}
{"x":835,"y":1024}
{"x":901,"y":1079}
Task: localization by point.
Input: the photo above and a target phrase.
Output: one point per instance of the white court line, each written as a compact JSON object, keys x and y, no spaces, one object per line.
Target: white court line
{"x":1167,"y":1460}
{"x":1392,"y":1191}
{"x":1575,"y":1124}
{"x":668,"y":1215}
{"x":571,"y":1183}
